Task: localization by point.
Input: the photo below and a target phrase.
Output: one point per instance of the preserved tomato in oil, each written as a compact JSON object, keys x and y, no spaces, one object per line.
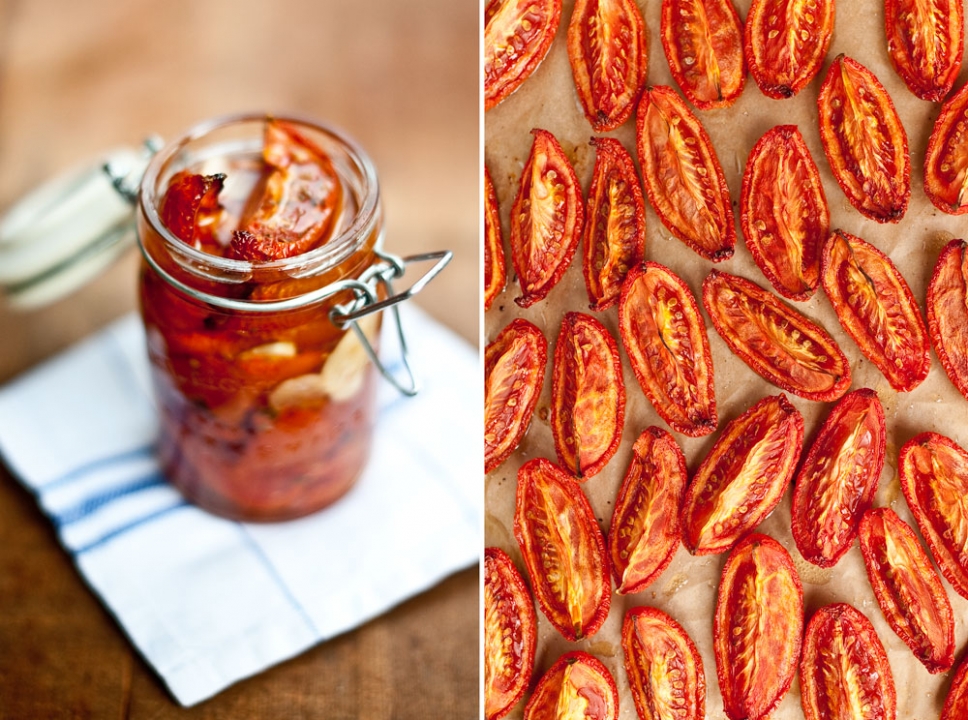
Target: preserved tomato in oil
{"x":577,"y":687}
{"x":946,"y":159}
{"x":925,"y":41}
{"x":947,"y":308}
{"x":495,"y":274}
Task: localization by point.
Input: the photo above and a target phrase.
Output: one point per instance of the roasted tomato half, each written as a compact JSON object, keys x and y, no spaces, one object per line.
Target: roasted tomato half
{"x":934,"y":479}
{"x":946,"y":159}
{"x":785,"y":43}
{"x":191,"y":209}
{"x":514,"y":368}
{"x":877,"y":309}
{"x":778,"y":343}
{"x":588,"y":395}
{"x":609,"y":59}
{"x":577,"y":687}
{"x":682,"y":175}
{"x":956,"y":704}
{"x":743,"y":477}
{"x":908,"y":590}
{"x":645,"y":533}
{"x":546,"y":219}
{"x":495,"y":274}
{"x":614,"y":239}
{"x":665,"y":338}
{"x":925,"y":41}
{"x":663,"y":666}
{"x":517,"y":36}
{"x":757,"y":628}
{"x":783,"y":212}
{"x":838,"y":480}
{"x":563,"y":549}
{"x":703,"y":42}
{"x":864,"y":140}
{"x":510,"y":634}
{"x":948,"y":312}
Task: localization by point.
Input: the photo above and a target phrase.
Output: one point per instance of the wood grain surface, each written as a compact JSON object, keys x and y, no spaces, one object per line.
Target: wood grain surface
{"x":79,"y":78}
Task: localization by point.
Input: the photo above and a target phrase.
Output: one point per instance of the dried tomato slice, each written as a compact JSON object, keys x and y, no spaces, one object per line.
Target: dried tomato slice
{"x":876,"y":308}
{"x":783,"y":212}
{"x":925,"y":41}
{"x":703,"y":42}
{"x":514,"y":367}
{"x":665,"y":338}
{"x":577,"y":687}
{"x":645,"y":533}
{"x":956,"y":703}
{"x":837,"y":481}
{"x":517,"y":36}
{"x":510,"y":634}
{"x":546,"y":219}
{"x":785,"y":43}
{"x":682,"y":175}
{"x":757,"y":627}
{"x":947,"y":307}
{"x":934,"y":479}
{"x":908,"y":590}
{"x":864,"y":141}
{"x":776,"y":341}
{"x":664,"y":667}
{"x":744,"y":476}
{"x":190,"y":208}
{"x":614,"y":223}
{"x":563,"y":549}
{"x":609,"y":59}
{"x":844,"y":671}
{"x":495,"y":274}
{"x":946,"y":159}
{"x":588,"y":395}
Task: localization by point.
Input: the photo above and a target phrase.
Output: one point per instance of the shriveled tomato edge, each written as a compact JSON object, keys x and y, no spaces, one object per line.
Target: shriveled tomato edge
{"x":586,"y":516}
{"x":690,"y":430}
{"x":949,"y":567}
{"x":794,"y":420}
{"x":956,"y":701}
{"x":572,"y":188}
{"x":904,"y":197}
{"x":557,"y":387}
{"x":570,"y":658}
{"x":725,"y":212}
{"x":658,"y":435}
{"x":498,"y":264}
{"x":938,"y":340}
{"x":952,"y":108}
{"x":667,"y":31}
{"x":790,"y":134}
{"x":550,"y":30}
{"x":903,"y":69}
{"x":529,"y":623}
{"x":803,"y":494}
{"x":752,"y":289}
{"x":628,"y":630}
{"x":610,"y":151}
{"x":724,"y":666}
{"x":941,"y":658}
{"x":849,"y":321}
{"x":520,"y":325}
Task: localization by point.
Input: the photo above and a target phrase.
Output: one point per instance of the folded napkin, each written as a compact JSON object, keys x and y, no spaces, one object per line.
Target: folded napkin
{"x":209,"y":601}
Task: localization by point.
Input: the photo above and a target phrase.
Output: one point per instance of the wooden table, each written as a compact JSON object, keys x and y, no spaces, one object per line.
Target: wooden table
{"x":79,"y":78}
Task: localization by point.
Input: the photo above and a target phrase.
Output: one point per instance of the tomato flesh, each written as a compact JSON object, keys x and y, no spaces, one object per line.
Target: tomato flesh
{"x":190,"y":208}
{"x":946,"y":159}
{"x":495,"y":274}
{"x":577,"y":687}
{"x":947,"y":308}
{"x":956,"y":703}
{"x":925,"y":41}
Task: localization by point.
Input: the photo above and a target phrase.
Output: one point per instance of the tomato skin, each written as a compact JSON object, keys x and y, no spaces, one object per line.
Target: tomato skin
{"x":652,"y":641}
{"x":946,"y":159}
{"x":609,"y":59}
{"x":703,"y":42}
{"x":523,"y":29}
{"x":495,"y":273}
{"x":665,"y":338}
{"x":877,"y":309}
{"x":563,"y":549}
{"x":956,"y":703}
{"x":695,"y":207}
{"x":928,"y":56}
{"x":837,"y":481}
{"x":614,"y":238}
{"x":549,"y":191}
{"x":514,"y":368}
{"x":947,"y":310}
{"x":869,"y":160}
{"x":189,"y":207}
{"x":785,"y":44}
{"x":584,"y":680}
{"x":744,"y":476}
{"x":645,"y":531}
{"x":757,"y":627}
{"x":783,"y":212}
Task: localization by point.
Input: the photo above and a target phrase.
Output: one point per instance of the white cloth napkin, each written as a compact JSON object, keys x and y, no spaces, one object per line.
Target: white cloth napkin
{"x":209,"y":601}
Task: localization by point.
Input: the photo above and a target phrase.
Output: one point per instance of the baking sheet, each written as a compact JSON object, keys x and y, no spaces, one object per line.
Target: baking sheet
{"x":687,"y":588}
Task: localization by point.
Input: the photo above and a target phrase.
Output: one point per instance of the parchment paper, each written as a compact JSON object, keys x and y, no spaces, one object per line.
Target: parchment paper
{"x":687,"y":589}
